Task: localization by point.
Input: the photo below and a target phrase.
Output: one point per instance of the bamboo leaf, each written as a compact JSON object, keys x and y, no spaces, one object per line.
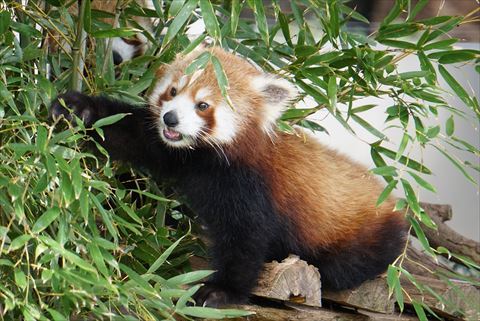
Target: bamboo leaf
{"x":420,"y":235}
{"x":403,"y":145}
{"x":109,"y":120}
{"x":5,"y":19}
{"x":200,"y":312}
{"x":368,"y":127}
{"x":45,"y":219}
{"x":189,"y":277}
{"x":20,"y":278}
{"x":234,"y":16}
{"x":19,"y":242}
{"x":449,"y":126}
{"x":69,"y":256}
{"x":386,"y":192}
{"x":180,"y":19}
{"x":198,"y":63}
{"x":211,"y":23}
{"x":440,"y":44}
{"x":457,"y":164}
{"x":455,"y":85}
{"x":422,"y":182}
{"x":398,"y":44}
{"x":419,"y":311}
{"x":332,"y":93}
{"x":115,"y":32}
{"x":221,"y":80}
{"x":417,"y":9}
{"x":385,"y":171}
{"x":87,"y":17}
{"x":404,"y":160}
{"x":411,"y":197}
{"x":261,"y":20}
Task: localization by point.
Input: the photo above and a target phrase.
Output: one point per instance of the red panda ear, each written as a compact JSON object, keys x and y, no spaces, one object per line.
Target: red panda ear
{"x":277,"y":95}
{"x":276,"y":91}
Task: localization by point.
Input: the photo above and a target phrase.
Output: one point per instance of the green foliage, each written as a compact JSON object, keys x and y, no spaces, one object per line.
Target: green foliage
{"x":76,"y":242}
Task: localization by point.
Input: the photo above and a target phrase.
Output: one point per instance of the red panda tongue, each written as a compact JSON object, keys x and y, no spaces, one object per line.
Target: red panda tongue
{"x":172,"y":134}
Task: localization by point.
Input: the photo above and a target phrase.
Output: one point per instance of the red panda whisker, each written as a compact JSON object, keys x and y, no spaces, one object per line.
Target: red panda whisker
{"x":212,"y":141}
{"x":209,"y":139}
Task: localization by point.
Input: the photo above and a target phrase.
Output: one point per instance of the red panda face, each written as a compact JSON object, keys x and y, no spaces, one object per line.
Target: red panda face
{"x":191,"y":110}
{"x":188,"y":110}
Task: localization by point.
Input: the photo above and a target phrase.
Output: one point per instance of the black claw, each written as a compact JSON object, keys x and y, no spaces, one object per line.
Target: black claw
{"x":214,"y":296}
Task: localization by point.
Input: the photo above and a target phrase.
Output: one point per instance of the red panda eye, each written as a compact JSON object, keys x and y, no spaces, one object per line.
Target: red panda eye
{"x":202,"y":106}
{"x":173,"y":92}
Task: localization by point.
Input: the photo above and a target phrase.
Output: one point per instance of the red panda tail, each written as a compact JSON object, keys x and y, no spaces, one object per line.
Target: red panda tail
{"x":362,"y":259}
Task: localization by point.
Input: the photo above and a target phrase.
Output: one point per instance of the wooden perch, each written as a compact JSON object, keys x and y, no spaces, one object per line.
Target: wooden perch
{"x":295,"y":281}
{"x":460,"y":297}
{"x":292,"y":279}
{"x":372,"y":295}
{"x":446,"y":236}
{"x":306,"y":313}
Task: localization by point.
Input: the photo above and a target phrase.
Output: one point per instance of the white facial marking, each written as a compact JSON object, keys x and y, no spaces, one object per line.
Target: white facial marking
{"x":125,"y":50}
{"x":202,"y":94}
{"x":182,"y":82}
{"x":159,"y":89}
{"x":226,"y":123}
{"x":189,"y":123}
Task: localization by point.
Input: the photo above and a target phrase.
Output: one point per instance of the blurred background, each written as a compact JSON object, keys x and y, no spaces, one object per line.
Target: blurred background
{"x":452,"y":187}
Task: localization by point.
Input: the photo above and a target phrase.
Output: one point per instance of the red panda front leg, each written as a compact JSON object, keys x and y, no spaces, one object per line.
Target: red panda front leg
{"x":237,"y":269}
{"x":128,"y":140}
{"x":234,"y":205}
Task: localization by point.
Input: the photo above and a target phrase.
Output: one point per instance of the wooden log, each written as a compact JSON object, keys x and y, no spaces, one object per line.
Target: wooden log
{"x":442,"y":211}
{"x":306,"y":313}
{"x":291,"y":280}
{"x":446,"y":236}
{"x":459,"y":298}
{"x":371,"y":295}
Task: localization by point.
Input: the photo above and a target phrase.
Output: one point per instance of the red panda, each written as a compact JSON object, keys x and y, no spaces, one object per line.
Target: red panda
{"x":262,"y":193}
{"x":123,"y":49}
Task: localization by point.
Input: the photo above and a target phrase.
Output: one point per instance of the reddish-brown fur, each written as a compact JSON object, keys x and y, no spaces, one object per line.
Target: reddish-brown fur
{"x":330,"y":198}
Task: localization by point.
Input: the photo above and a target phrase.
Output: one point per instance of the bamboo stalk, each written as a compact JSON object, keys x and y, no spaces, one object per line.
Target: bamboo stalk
{"x":108,"y":54}
{"x":78,"y":50}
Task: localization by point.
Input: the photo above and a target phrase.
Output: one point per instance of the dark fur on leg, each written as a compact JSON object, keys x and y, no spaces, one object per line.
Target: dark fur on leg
{"x":233,"y":203}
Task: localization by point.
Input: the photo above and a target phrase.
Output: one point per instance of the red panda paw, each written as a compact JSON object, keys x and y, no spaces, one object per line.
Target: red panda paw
{"x":214,"y":296}
{"x":73,"y":102}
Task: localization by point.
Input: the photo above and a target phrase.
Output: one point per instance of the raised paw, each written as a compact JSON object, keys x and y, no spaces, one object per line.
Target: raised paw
{"x":73,"y":103}
{"x":215,"y":296}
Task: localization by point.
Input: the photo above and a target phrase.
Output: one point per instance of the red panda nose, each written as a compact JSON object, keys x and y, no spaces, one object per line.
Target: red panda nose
{"x":117,"y":58}
{"x":170,"y":119}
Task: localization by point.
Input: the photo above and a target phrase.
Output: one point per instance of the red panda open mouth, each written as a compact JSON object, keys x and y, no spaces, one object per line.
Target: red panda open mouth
{"x":172,"y":135}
